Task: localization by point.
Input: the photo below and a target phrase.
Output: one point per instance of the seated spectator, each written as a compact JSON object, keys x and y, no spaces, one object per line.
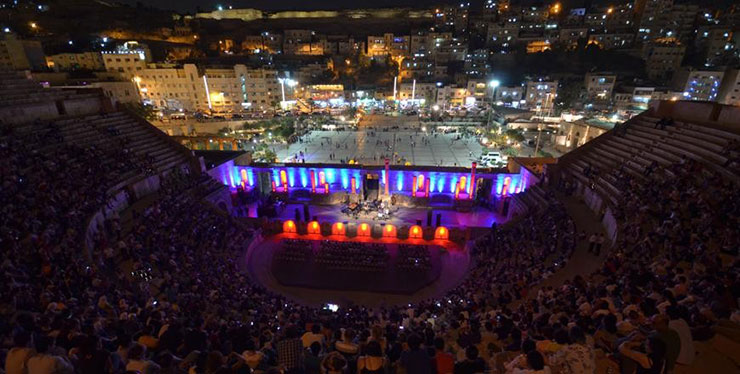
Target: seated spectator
{"x":17,"y":358}
{"x":651,"y":361}
{"x":137,"y":360}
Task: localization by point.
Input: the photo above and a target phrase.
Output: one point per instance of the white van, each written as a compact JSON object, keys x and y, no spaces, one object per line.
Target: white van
{"x":493,"y":159}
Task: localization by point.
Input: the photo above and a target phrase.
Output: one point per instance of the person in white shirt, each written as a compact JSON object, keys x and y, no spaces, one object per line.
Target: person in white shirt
{"x":44,"y":363}
{"x":17,"y":357}
{"x":688,"y":352}
{"x":313,"y":336}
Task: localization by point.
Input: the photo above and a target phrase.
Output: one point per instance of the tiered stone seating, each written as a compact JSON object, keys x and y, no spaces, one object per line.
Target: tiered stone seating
{"x":633,"y":151}
{"x":23,"y":100}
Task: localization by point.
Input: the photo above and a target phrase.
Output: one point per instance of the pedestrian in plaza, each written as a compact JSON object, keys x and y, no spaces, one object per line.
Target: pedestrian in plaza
{"x":599,"y":242}
{"x":592,"y":243}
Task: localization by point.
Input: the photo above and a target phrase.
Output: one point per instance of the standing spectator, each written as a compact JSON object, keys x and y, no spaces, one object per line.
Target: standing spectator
{"x":599,"y":243}
{"x":669,"y":337}
{"x":43,"y":362}
{"x":679,"y":325}
{"x":312,"y":359}
{"x":444,"y":361}
{"x":290,"y":351}
{"x":472,"y":363}
{"x":372,"y":362}
{"x":416,"y":360}
{"x":592,"y":243}
{"x":334,"y":363}
{"x":313,"y":336}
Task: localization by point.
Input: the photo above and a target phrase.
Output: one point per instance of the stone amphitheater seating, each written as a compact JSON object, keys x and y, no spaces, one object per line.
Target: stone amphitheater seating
{"x":641,"y":144}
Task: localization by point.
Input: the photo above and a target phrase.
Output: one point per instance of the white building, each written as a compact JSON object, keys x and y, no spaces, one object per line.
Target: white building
{"x":210,"y":90}
{"x":700,"y":85}
{"x":540,"y":95}
{"x":510,"y":96}
{"x":599,"y":86}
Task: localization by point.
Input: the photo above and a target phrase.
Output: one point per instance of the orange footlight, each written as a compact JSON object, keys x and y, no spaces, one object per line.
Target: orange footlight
{"x":289,"y":227}
{"x":415,"y":232}
{"x":313,"y":228}
{"x":338,"y":229}
{"x":389,"y":231}
{"x":442,"y":233}
{"x":363,"y":230}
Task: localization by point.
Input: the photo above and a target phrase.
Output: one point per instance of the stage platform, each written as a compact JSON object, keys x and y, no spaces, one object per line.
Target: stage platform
{"x":477,"y":217}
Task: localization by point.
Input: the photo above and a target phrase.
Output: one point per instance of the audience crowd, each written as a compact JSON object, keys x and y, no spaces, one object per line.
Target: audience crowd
{"x":163,"y":292}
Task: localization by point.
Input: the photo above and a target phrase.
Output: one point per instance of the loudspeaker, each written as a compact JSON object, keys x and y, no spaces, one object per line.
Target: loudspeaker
{"x":429,"y":217}
{"x":305,"y":212}
{"x":418,"y":222}
{"x":439,"y":219}
{"x":297,"y":215}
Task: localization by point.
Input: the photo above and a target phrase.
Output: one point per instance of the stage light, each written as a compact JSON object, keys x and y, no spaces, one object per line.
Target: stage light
{"x":313,"y":228}
{"x":289,"y":227}
{"x":415,"y":232}
{"x":442,"y":233}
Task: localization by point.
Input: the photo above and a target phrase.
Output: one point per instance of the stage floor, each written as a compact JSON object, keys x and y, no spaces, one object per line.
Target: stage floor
{"x":478,"y":217}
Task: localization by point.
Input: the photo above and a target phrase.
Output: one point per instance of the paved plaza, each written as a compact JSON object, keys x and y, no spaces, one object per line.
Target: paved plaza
{"x":369,"y":147}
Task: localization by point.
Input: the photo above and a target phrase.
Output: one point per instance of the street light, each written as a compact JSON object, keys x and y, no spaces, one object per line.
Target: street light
{"x":493,"y":84}
{"x":283,"y":82}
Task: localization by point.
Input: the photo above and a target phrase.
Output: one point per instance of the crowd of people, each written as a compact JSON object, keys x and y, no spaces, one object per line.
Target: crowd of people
{"x":165,"y":292}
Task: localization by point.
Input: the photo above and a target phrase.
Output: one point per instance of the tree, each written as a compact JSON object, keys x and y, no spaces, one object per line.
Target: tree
{"x":515,"y":135}
{"x":350,"y":112}
{"x":140,"y":110}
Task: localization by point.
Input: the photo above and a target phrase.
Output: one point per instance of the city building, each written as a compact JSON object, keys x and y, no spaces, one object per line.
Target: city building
{"x":20,"y":54}
{"x":540,"y":95}
{"x":452,"y":96}
{"x":652,"y":17}
{"x":599,"y":86}
{"x":417,"y":93}
{"x":510,"y":96}
{"x":572,"y":135}
{"x":662,"y":58}
{"x":729,"y":92}
{"x":209,"y":90}
{"x":700,"y":85}
{"x":569,"y":37}
{"x":75,"y":61}
{"x":128,"y":59}
{"x":123,"y":92}
{"x":713,"y":42}
{"x":612,"y":40}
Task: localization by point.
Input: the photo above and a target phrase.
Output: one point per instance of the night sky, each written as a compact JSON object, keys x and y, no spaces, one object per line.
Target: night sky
{"x":206,"y":5}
